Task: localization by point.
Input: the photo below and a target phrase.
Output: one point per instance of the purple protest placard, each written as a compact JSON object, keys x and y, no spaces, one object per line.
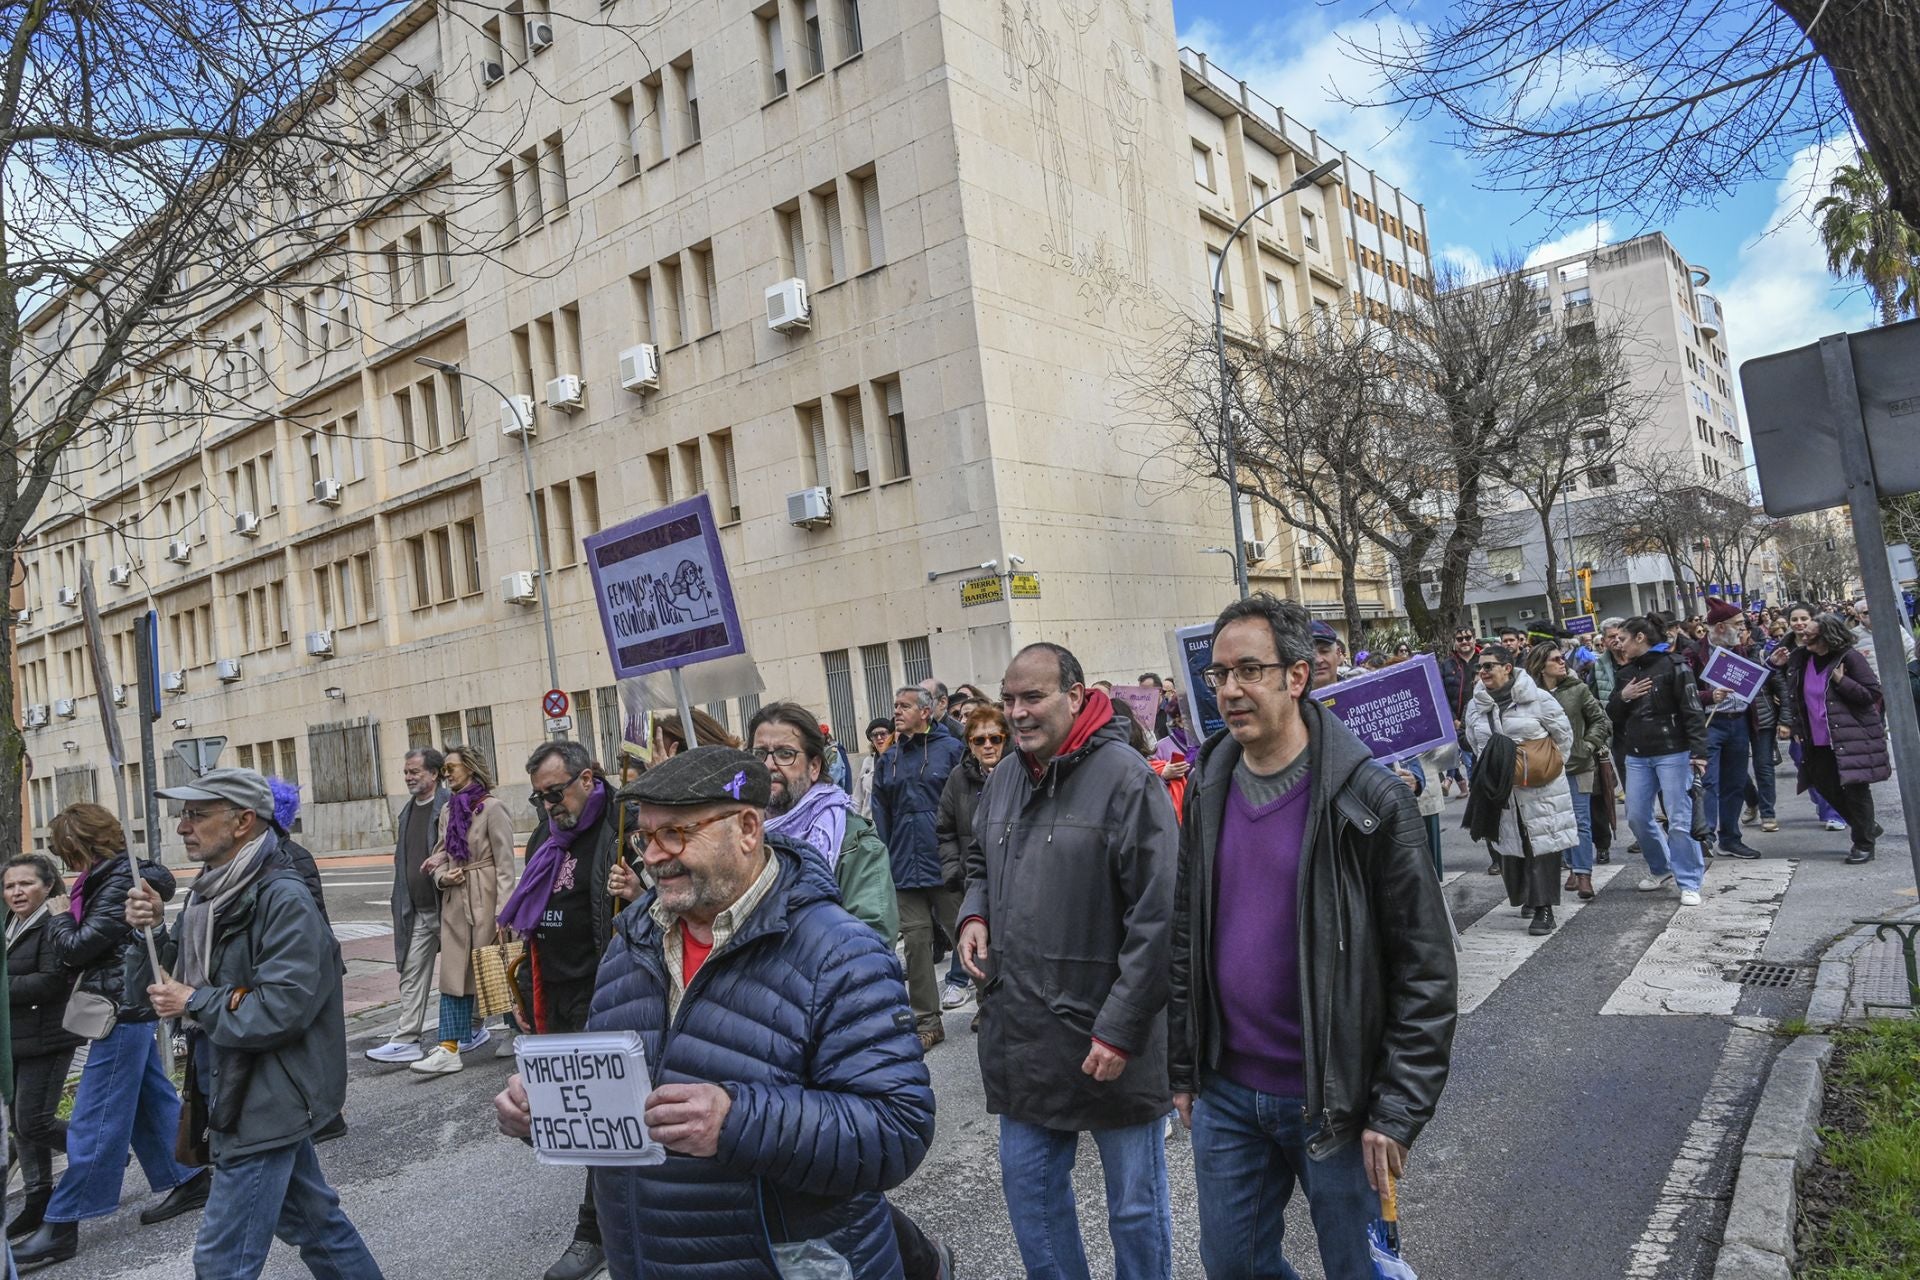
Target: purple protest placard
{"x":1143,"y":700}
{"x":1398,"y":712}
{"x":1727,"y":670}
{"x":662,"y":586}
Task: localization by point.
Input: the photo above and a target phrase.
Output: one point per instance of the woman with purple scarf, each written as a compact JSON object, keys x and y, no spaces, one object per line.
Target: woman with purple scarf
{"x":472,"y":862}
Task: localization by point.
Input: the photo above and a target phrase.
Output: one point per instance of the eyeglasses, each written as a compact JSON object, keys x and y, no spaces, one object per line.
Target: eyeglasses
{"x":198,"y":816}
{"x":1491,"y":666}
{"x":987,"y":739}
{"x":1464,"y":635}
{"x":1246,"y":674}
{"x":552,"y":796}
{"x":785,"y":755}
{"x":672,"y":839}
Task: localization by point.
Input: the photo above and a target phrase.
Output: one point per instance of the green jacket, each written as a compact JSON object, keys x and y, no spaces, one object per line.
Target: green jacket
{"x":865,"y":875}
{"x":1592,"y":730}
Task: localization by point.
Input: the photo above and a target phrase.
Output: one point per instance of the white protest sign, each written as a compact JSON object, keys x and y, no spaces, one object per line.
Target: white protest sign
{"x":588,"y":1095}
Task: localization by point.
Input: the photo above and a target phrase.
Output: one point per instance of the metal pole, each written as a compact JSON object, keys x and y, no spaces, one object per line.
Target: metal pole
{"x":1863,"y":502}
{"x":686,"y":709}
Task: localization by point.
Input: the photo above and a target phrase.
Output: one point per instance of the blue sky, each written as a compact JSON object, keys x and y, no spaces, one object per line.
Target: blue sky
{"x":1759,"y":245}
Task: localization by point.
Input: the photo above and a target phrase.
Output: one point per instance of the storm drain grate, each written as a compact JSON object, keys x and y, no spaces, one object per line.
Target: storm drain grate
{"x":1755,"y":973}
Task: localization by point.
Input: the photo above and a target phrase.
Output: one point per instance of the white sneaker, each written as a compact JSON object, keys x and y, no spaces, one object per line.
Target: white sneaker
{"x":1689,"y":897}
{"x":955,"y":994}
{"x":396,"y":1051}
{"x":505,"y":1048}
{"x":1648,"y":884}
{"x":475,"y":1038}
{"x":441,"y":1062}
{"x":1834,"y":824}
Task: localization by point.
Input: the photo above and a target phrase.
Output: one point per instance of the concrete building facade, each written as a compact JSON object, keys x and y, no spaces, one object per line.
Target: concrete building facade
{"x":990,"y":209}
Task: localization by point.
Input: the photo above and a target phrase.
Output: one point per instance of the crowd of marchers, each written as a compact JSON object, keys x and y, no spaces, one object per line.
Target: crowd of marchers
{"x":1246,"y":932}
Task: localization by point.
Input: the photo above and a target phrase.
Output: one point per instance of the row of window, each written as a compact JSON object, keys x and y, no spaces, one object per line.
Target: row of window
{"x":443,"y":564}
{"x":877,"y":681}
{"x":778,"y":17}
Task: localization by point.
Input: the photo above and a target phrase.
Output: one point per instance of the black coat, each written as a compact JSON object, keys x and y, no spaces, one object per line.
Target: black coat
{"x":37,"y":992}
{"x":111,"y":957}
{"x":954,"y":825}
{"x":1666,"y":720}
{"x":1457,"y":674}
{"x":1378,"y":983}
{"x":295,"y":857}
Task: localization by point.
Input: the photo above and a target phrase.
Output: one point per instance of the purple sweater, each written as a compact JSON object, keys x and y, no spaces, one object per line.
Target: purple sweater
{"x":1256,"y":957}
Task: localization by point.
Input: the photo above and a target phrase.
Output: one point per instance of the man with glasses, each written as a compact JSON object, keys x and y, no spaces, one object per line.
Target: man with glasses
{"x":1312,"y":974}
{"x":906,"y":806}
{"x":1457,"y":675}
{"x":416,"y":904}
{"x":256,"y":985}
{"x":563,"y":908}
{"x":791,"y":1093}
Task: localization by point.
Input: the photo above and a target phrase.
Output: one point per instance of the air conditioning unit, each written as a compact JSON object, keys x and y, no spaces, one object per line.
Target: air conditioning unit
{"x":516,"y":415}
{"x":37,"y":716}
{"x":810,"y":508}
{"x":68,"y":596}
{"x":539,"y":34}
{"x":246,"y":524}
{"x":564,"y":393}
{"x":1312,"y":554}
{"x":119,"y":695}
{"x":228,"y":669}
{"x":66,"y":708}
{"x":1510,"y":577}
{"x":119,"y":575}
{"x":1254,"y":549}
{"x":518,"y":588}
{"x":640,"y":368}
{"x":320,"y":644}
{"x":1528,"y":615}
{"x":492,"y":73}
{"x":787,"y":308}
{"x":179,"y":552}
{"x":326,"y":492}
{"x":173,"y":681}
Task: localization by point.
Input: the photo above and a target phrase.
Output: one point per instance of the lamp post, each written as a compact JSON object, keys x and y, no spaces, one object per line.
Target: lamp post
{"x":533,"y":504}
{"x":1307,"y":179}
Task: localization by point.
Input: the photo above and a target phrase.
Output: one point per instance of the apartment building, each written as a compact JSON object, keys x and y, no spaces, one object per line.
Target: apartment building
{"x":1681,"y":370}
{"x":864,"y":274}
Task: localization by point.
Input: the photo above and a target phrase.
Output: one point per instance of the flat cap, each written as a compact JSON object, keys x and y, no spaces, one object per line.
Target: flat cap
{"x":703,"y":775}
{"x":1322,"y":632}
{"x":241,"y":788}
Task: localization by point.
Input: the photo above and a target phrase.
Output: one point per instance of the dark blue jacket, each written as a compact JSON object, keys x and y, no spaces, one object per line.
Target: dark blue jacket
{"x":906,"y":804}
{"x":803,"y":1017}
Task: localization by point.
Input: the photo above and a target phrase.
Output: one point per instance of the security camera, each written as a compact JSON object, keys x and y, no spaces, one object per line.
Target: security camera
{"x":1018,"y":559}
{"x":988,"y":566}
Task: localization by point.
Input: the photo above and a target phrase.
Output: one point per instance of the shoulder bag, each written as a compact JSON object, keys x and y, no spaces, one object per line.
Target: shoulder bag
{"x":1536,"y":762}
{"x":89,"y":1015}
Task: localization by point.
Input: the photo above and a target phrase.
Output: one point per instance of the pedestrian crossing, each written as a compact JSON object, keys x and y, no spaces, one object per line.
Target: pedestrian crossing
{"x":1497,"y":944}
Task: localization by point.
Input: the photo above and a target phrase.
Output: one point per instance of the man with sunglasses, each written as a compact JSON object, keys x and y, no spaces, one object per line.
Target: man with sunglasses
{"x":791,"y":1094}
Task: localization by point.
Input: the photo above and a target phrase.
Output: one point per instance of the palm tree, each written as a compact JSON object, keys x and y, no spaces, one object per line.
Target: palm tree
{"x":1866,"y":237}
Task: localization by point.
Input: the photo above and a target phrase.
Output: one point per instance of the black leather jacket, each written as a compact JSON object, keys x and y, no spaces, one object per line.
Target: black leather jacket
{"x":1377,"y":972}
{"x":1667,"y":719}
{"x":110,"y":956}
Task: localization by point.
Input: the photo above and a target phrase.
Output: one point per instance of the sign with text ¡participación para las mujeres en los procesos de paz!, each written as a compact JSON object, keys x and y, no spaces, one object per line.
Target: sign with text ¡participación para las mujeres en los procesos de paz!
{"x":587,"y":1098}
{"x":662,"y":586}
{"x":1398,"y":712}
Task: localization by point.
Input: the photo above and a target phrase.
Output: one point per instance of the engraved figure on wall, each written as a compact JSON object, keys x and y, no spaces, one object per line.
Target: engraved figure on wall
{"x":1033,"y":62}
{"x":1126,"y":115}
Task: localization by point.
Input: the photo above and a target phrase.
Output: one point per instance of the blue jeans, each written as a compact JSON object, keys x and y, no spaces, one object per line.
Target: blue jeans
{"x":277,"y":1193}
{"x":1580,"y":857}
{"x":1672,"y":849}
{"x":1729,"y":743}
{"x":1036,"y":1175}
{"x":124,"y":1098}
{"x":1760,"y":790}
{"x":1249,"y":1149}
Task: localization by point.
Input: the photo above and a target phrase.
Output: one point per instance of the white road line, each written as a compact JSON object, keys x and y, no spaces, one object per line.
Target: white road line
{"x":354,"y":930}
{"x":355,"y":884}
{"x":1684,"y":970}
{"x":1498,"y":944}
{"x":1450,"y":877}
{"x":1687,"y":1186}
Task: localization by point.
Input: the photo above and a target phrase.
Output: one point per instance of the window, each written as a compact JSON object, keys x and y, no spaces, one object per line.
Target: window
{"x":1260,"y":195}
{"x":509,"y":199}
{"x":533,"y":206}
{"x":640,"y":290}
{"x":670,"y":304}
{"x":852,"y":39}
{"x":853,"y":425}
{"x":813,"y":51}
{"x":827,"y":210}
{"x":876,"y":670}
{"x":773,"y":51}
{"x":553,"y":176}
{"x":813,"y":443}
{"x":1203,"y":165}
{"x":868,"y":188}
{"x":442,"y":543}
{"x":1309,"y":229}
{"x":628,"y":114}
{"x":915,"y":662}
{"x":660,"y":468}
{"x":653,"y":125}
{"x":691,"y":467}
{"x":898,"y":462}
{"x":792,"y":237}
{"x":588,"y":489}
{"x":1603,"y":476}
{"x":417,"y":567}
{"x":441,"y":248}
{"x":1574,"y":271}
{"x":691,"y":89}
{"x":1275,"y":302}
{"x":729,"y":489}
{"x":469,"y":535}
{"x":686,"y":100}
{"x":1580,"y":297}
{"x":706,"y":289}
{"x":403,"y":426}
{"x":562,"y":549}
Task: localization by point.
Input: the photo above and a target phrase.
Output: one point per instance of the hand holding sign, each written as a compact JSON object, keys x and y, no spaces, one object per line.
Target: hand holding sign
{"x":687,"y":1117}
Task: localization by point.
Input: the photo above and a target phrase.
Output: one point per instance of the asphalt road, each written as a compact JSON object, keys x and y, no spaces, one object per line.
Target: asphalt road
{"x":1571,"y":1144}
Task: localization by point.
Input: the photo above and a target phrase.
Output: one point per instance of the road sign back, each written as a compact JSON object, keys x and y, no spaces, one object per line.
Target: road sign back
{"x":554,"y":703}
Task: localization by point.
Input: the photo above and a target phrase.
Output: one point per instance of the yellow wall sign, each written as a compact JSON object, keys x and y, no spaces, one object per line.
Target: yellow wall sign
{"x":1026,"y":586}
{"x":980,"y":591}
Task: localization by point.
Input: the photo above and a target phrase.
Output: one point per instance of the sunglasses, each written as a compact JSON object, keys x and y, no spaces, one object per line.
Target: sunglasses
{"x":987,"y":739}
{"x":1491,"y":666}
{"x":552,"y":796}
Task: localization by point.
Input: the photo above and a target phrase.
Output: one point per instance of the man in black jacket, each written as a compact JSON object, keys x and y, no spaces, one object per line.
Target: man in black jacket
{"x":415,"y":902}
{"x":1655,"y":708}
{"x":1313,"y":980}
{"x":1066,"y":927}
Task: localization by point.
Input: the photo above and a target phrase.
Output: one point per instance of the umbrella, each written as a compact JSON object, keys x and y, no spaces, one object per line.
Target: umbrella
{"x":1383,"y":1239}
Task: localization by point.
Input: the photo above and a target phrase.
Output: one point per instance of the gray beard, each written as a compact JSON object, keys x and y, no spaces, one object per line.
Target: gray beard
{"x":782,"y":801}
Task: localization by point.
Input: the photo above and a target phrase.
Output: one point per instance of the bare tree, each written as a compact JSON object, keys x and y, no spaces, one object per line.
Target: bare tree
{"x":1817,"y":562}
{"x":1642,"y":106}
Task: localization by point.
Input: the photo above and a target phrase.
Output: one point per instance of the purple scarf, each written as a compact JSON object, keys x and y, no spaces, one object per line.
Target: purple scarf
{"x":529,"y":898}
{"x":460,"y":812}
{"x":77,"y":896}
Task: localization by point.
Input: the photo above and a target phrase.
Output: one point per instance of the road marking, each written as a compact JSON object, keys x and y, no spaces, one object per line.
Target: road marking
{"x":1689,"y":1184}
{"x":1498,"y":944}
{"x":355,"y":930}
{"x":356,"y":884}
{"x":1450,"y":877}
{"x":1684,"y":970}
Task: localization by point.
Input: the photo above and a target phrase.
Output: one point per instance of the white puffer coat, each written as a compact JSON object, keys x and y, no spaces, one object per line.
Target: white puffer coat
{"x":1547,"y":811}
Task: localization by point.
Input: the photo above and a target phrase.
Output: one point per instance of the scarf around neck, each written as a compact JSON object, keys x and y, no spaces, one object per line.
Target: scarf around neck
{"x":819,"y":820}
{"x":212,"y":893}
{"x":529,"y":898}
{"x":77,"y":896}
{"x":17,"y":928}
{"x":461,"y":809}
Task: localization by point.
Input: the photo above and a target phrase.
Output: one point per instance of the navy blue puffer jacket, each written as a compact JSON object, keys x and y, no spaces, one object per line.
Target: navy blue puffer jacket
{"x":906,"y":804}
{"x":803,"y":1017}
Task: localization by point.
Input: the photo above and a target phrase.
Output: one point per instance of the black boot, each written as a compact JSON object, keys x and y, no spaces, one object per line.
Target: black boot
{"x":185,"y":1198}
{"x":1542,"y":921}
{"x":53,"y":1242}
{"x":27,"y":1221}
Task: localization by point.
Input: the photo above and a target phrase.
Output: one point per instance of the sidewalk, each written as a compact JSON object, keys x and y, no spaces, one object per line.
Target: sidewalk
{"x":1863,"y":976}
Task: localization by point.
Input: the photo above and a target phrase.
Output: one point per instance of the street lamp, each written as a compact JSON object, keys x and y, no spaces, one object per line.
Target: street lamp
{"x":1239,"y":549}
{"x":533,"y":503}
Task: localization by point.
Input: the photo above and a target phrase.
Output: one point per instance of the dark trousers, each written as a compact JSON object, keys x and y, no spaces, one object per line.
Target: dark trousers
{"x":565,"y":1005}
{"x":917,"y":1258}
{"x":1854,"y":800}
{"x":38,"y":1130}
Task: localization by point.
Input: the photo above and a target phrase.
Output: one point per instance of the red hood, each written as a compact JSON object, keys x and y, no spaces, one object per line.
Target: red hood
{"x":1096,"y":711}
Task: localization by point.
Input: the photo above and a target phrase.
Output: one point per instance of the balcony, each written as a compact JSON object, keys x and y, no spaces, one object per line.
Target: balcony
{"x":1711,"y":322}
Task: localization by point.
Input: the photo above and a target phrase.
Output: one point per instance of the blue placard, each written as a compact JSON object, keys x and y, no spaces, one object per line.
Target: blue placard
{"x":1580,"y":624}
{"x":661,"y":582}
{"x":1194,"y":646}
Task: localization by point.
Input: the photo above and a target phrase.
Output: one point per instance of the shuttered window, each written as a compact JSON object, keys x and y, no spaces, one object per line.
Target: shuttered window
{"x":878,"y":671}
{"x":870,"y":213}
{"x":840,"y":695}
{"x":344,"y":759}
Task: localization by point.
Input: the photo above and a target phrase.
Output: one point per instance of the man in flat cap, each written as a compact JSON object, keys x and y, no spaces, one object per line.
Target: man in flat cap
{"x":791,"y":1094}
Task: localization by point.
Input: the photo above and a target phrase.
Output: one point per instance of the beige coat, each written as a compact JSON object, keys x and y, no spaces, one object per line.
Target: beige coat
{"x":467,"y":909}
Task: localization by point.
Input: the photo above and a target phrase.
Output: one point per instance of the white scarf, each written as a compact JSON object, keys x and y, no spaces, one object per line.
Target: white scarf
{"x":213,"y":892}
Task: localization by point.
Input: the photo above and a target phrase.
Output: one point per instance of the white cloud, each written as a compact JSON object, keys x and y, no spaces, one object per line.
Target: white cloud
{"x":1466,"y":260}
{"x":1579,"y":240}
{"x":1781,"y":294}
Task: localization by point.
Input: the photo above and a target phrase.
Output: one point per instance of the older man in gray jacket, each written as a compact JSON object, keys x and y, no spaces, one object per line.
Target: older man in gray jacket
{"x":416,"y":905}
{"x":256,"y":983}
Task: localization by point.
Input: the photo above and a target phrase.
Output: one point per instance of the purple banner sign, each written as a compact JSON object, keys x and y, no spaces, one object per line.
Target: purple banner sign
{"x":1727,"y":670}
{"x":662,"y":586}
{"x":1141,"y":699}
{"x":1398,"y":712}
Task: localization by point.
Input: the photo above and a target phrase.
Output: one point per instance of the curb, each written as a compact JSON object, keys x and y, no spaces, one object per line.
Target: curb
{"x":1781,"y":1141}
{"x":1833,"y":983}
